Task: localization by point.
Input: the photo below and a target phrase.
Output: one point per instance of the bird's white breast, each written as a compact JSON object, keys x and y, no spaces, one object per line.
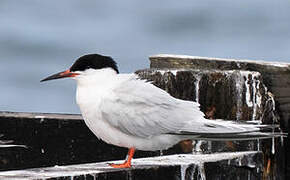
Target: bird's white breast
{"x":91,"y":90}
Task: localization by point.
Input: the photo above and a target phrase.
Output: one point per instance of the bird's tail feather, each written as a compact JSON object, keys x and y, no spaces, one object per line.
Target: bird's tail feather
{"x":232,"y":130}
{"x":237,"y":136}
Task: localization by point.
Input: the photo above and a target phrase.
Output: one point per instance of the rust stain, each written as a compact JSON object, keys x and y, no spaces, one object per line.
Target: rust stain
{"x":186,"y":146}
{"x":230,"y":145}
{"x":210,"y":112}
{"x":267,"y":170}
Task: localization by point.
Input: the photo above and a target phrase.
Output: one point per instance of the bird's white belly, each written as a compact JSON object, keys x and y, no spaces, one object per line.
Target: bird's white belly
{"x":112,"y":135}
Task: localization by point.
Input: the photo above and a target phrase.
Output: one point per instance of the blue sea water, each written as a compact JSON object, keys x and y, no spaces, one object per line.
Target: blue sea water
{"x":38,"y":38}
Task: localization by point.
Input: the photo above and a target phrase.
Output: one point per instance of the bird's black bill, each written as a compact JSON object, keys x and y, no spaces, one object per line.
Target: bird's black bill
{"x":59,"y":75}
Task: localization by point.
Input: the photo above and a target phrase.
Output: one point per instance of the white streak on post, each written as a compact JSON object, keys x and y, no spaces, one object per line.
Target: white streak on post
{"x":183,"y":169}
{"x":196,"y":83}
{"x":239,"y":86}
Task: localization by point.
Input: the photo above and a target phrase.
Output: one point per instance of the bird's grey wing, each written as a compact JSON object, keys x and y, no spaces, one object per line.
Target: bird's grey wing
{"x":141,"y":109}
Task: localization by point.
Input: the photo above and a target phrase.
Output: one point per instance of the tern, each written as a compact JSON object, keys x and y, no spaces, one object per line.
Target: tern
{"x":127,"y":111}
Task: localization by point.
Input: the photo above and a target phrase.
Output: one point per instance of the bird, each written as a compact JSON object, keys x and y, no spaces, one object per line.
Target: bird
{"x":127,"y":111}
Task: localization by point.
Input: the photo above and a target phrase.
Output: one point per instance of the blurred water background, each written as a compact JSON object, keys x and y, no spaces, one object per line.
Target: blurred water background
{"x":38,"y":38}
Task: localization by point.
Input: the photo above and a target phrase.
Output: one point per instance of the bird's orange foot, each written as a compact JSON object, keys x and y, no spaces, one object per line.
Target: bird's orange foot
{"x":126,"y":164}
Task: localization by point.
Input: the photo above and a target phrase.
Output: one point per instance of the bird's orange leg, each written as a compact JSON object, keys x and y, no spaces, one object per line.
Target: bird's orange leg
{"x":127,"y":163}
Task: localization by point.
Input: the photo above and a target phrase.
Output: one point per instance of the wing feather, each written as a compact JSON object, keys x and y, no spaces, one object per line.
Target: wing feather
{"x":142,"y":109}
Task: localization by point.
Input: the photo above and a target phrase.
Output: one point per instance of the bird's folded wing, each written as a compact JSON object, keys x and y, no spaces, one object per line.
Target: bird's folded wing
{"x":141,"y":109}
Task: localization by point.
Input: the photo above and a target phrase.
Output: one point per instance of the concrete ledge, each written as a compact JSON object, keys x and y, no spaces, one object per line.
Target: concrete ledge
{"x":186,"y":166}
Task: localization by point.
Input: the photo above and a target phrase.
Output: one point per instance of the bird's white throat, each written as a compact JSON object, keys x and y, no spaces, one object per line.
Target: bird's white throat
{"x":93,"y":85}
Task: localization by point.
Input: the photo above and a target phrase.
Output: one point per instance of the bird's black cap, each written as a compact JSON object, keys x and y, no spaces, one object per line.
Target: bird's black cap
{"x":94,"y":61}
